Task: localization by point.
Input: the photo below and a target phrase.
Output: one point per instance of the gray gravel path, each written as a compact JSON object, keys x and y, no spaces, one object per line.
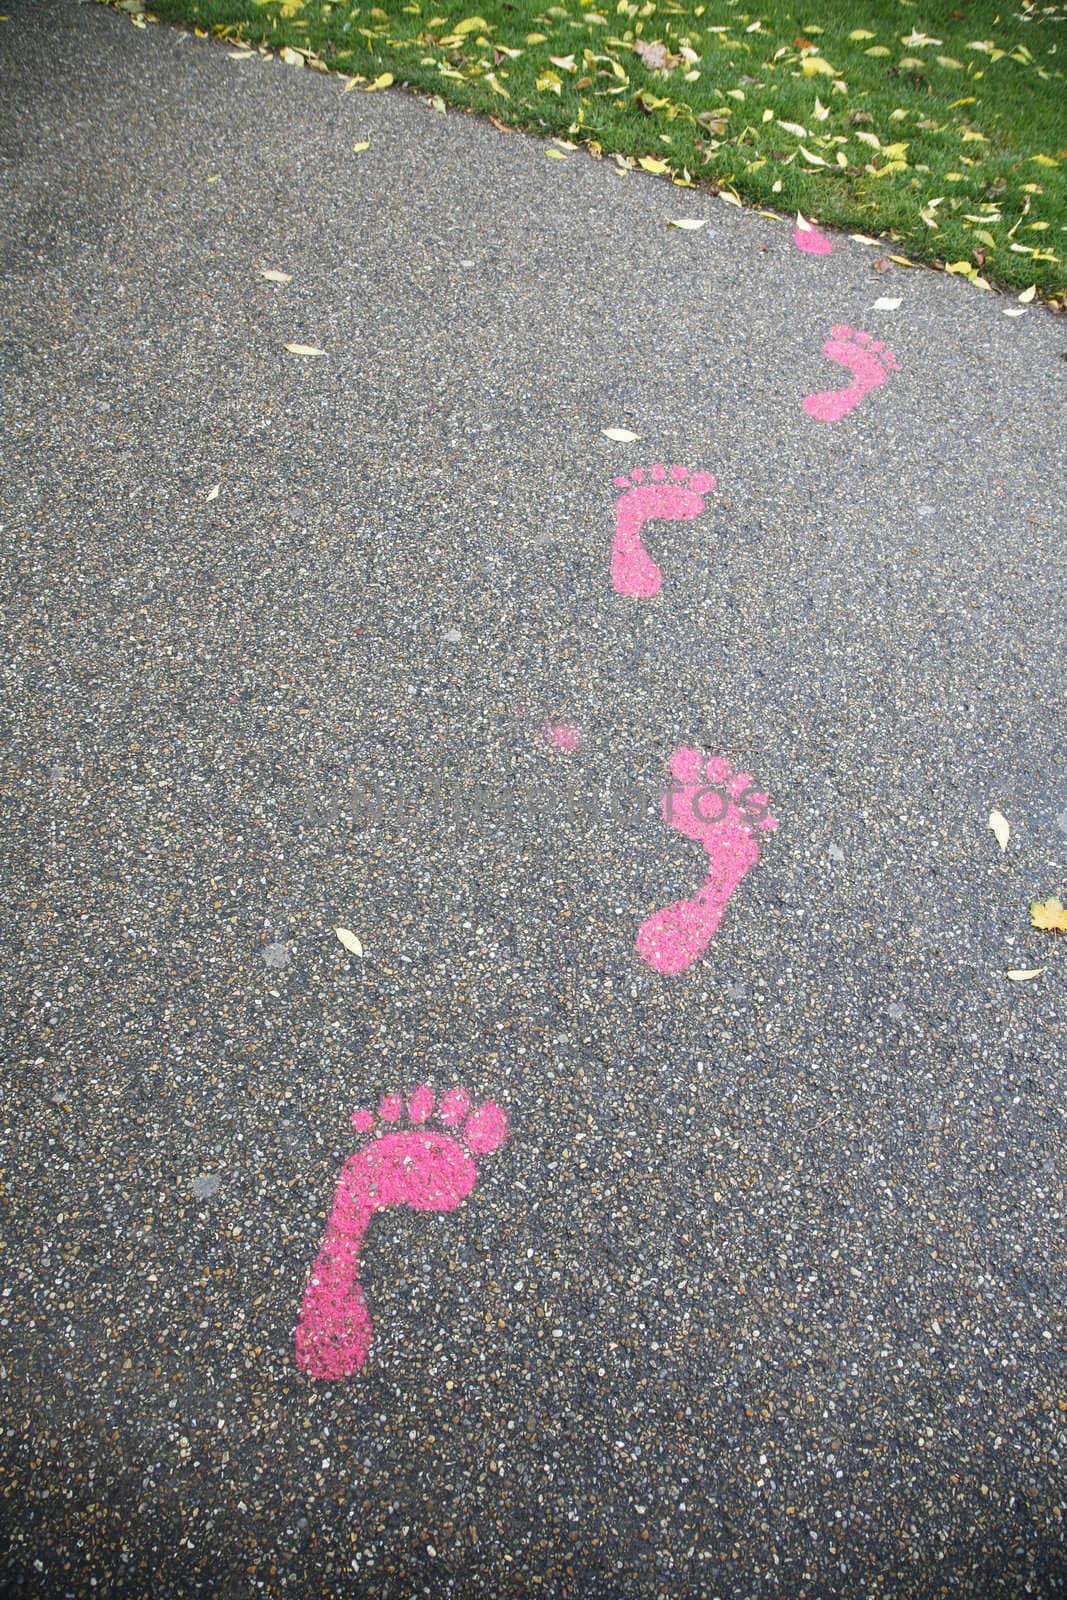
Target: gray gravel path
{"x":764,"y":1296}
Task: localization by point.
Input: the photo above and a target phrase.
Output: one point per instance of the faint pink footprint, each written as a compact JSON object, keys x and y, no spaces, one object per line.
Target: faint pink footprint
{"x":426,"y":1170}
{"x":710,"y":802}
{"x":870,"y":364}
{"x":632,"y":569}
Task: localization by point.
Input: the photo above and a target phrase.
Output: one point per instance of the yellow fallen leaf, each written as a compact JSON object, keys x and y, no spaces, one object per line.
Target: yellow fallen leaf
{"x":1015,"y":311}
{"x":1027,"y":295}
{"x":860,"y":33}
{"x":304,"y":350}
{"x":213,"y":494}
{"x":652,"y":164}
{"x":794,"y":128}
{"x":815,"y":161}
{"x":272,"y":275}
{"x":383,"y":81}
{"x":1024,"y":974}
{"x":863,"y":238}
{"x":1050,"y":915}
{"x":687,"y":224}
{"x":292,"y":58}
{"x":358,"y":149}
{"x":1044,"y":161}
{"x":1000,"y":827}
{"x":878,"y":50}
{"x":821,"y":112}
{"x":962,"y":269}
{"x":734,"y":200}
{"x":349,"y":940}
{"x":888,"y":170}
{"x":814,"y":66}
{"x":620,"y":435}
{"x":951,"y":63}
{"x":556,"y":155}
{"x":536,"y":38}
{"x":472,"y":25}
{"x":901,"y":261}
{"x":887,"y":303}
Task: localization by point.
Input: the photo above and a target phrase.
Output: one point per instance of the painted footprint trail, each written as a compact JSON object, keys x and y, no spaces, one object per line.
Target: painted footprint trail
{"x":711,"y":803}
{"x":425,"y":1169}
{"x":870,"y":364}
{"x":672,"y":495}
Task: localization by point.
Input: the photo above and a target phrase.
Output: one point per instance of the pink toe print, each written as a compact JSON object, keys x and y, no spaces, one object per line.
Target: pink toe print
{"x":565,"y":736}
{"x":424,"y":1169}
{"x":870,"y":364}
{"x":707,"y":801}
{"x":671,"y":495}
{"x":807,"y":237}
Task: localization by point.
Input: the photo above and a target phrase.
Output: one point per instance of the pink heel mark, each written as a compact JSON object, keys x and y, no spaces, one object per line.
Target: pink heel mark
{"x":870,"y":364}
{"x":632,"y":569}
{"x":426,"y":1170}
{"x":709,"y":802}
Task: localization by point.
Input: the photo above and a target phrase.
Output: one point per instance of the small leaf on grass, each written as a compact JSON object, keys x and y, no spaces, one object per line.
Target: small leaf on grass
{"x":349,"y":940}
{"x":304,"y":350}
{"x":887,"y":302}
{"x":292,"y":58}
{"x":687,"y":224}
{"x":272,"y":275}
{"x":1024,"y":974}
{"x":620,"y":435}
{"x":815,"y":161}
{"x":213,"y":494}
{"x":1027,"y":295}
{"x":812,"y":66}
{"x":472,"y":25}
{"x":358,"y":149}
{"x":652,"y":164}
{"x":384,"y":80}
{"x":860,"y":33}
{"x":1000,"y":827}
{"x":1050,"y":915}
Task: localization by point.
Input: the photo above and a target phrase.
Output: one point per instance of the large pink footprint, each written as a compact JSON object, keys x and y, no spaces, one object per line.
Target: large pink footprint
{"x":632,"y":569}
{"x":427,"y":1170}
{"x":870,"y":364}
{"x":710,"y":802}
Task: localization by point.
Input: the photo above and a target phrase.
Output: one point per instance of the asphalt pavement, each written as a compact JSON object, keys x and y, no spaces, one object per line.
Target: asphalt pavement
{"x":742,"y":1274}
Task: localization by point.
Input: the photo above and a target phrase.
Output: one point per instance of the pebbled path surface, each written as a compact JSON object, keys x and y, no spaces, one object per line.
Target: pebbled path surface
{"x":764,"y":1296}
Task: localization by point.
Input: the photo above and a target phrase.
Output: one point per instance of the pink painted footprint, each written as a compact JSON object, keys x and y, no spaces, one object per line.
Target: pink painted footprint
{"x":678,"y":500}
{"x":417,"y":1167}
{"x":870,"y":364}
{"x":708,"y":801}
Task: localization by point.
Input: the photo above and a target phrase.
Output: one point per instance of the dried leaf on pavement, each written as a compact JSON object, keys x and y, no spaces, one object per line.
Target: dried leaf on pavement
{"x":1050,"y":915}
{"x":998,"y":822}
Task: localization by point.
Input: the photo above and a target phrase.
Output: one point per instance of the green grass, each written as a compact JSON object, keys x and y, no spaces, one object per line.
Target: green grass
{"x":941,"y":127}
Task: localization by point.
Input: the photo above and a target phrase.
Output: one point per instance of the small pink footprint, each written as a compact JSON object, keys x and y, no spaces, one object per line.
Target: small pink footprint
{"x":632,"y":569}
{"x":710,"y":802}
{"x":870,"y":364}
{"x":426,"y":1170}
